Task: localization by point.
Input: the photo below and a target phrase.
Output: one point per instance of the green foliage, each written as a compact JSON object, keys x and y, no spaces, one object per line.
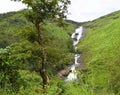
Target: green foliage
{"x":38,"y":12}
{"x":27,"y":50}
{"x":9,"y":75}
{"x":23,"y":55}
{"x":9,"y":24}
{"x":42,"y":10}
{"x":100,"y":48}
{"x":101,"y":51}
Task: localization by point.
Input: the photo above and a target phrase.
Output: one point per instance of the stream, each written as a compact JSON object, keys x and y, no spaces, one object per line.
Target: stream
{"x":76,"y":36}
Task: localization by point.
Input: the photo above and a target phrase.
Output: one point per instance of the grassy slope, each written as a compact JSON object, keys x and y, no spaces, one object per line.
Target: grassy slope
{"x":101,"y":49}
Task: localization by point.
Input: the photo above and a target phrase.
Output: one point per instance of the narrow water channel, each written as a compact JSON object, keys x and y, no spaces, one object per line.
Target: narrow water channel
{"x":76,"y":36}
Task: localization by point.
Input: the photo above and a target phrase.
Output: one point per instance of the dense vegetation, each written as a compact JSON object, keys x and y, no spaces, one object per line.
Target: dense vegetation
{"x":19,"y":59}
{"x":20,"y":54}
{"x":101,"y":52}
{"x":9,"y":23}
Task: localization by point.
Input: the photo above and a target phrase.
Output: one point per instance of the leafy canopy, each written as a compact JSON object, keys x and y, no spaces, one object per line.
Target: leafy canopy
{"x":42,"y":10}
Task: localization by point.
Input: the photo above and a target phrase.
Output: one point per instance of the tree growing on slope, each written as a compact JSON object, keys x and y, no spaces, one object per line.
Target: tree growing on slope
{"x":40,"y":11}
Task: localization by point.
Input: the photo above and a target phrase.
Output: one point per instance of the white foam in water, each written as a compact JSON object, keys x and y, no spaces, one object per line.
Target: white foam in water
{"x":76,"y":36}
{"x":76,"y":58}
{"x":73,"y":35}
{"x":72,"y":68}
{"x":72,"y":76}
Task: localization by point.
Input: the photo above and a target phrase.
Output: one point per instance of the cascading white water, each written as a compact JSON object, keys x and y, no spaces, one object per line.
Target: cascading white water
{"x":76,"y":36}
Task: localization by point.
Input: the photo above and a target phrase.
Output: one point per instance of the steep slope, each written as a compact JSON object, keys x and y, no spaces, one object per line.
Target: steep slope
{"x":101,"y":52}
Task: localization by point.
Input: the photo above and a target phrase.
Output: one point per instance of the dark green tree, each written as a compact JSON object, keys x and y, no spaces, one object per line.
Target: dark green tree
{"x":39,"y":12}
{"x":10,"y":78}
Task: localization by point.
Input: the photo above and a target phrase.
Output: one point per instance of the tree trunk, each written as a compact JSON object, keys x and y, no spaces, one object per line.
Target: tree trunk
{"x":43,"y":72}
{"x":42,"y":69}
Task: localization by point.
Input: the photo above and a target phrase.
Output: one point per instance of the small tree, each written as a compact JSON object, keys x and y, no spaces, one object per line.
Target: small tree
{"x":40,"y":11}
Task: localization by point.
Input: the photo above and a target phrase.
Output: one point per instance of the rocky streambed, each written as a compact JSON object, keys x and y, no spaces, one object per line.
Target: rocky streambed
{"x":70,"y":71}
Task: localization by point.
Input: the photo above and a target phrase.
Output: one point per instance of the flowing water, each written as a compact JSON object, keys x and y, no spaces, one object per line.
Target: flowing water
{"x":76,"y":36}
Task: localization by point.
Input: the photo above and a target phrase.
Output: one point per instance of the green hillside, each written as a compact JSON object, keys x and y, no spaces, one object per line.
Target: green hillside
{"x":101,"y":51}
{"x":19,"y":52}
{"x":9,"y":24}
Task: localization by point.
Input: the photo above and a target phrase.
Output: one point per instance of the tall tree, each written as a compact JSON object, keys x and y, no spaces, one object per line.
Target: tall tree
{"x":40,"y":11}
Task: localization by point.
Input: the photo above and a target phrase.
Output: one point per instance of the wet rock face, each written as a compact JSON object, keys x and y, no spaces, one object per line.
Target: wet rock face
{"x":75,"y":39}
{"x":64,"y":72}
{"x":76,"y":34}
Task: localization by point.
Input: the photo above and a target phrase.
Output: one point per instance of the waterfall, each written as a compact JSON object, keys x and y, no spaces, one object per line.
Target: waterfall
{"x":76,"y":36}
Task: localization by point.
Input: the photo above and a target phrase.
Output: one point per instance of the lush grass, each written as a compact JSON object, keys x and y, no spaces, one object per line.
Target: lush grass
{"x":101,"y":51}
